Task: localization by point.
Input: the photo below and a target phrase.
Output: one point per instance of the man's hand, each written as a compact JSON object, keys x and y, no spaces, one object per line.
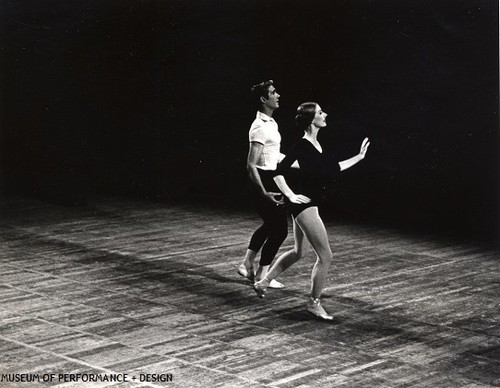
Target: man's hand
{"x":276,"y":198}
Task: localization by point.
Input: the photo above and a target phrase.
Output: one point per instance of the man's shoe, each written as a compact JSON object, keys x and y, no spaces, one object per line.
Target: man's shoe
{"x":247,"y":272}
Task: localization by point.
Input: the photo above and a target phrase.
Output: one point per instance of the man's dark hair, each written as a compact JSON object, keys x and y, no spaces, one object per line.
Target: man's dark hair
{"x":261,"y":90}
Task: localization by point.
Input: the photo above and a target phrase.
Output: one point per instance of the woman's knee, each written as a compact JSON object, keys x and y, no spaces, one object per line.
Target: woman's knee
{"x":300,"y":249}
{"x":325,"y":257}
{"x":296,"y":254}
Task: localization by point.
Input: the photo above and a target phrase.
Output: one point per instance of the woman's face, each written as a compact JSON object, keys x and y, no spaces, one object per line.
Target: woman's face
{"x":319,"y":118}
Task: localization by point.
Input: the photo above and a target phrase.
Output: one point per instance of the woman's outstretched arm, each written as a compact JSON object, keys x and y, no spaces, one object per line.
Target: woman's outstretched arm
{"x":345,"y":164}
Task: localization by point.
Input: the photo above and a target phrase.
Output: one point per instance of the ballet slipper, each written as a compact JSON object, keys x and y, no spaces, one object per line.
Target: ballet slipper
{"x":315,"y":308}
{"x":275,"y":284}
{"x":260,"y":287}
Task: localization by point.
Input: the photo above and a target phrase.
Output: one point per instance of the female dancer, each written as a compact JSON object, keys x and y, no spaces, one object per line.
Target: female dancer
{"x":316,"y":169}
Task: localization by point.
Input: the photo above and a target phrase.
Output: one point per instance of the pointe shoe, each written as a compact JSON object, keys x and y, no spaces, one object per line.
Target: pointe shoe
{"x":247,"y":272}
{"x":315,"y":308}
{"x":275,"y":284}
{"x":259,"y":289}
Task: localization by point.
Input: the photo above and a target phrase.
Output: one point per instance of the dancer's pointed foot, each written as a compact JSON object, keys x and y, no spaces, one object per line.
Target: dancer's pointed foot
{"x":247,"y":272}
{"x":315,"y":308}
{"x":262,"y":272}
{"x":260,"y":287}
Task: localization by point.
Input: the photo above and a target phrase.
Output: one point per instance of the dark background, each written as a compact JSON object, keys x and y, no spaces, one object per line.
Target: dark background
{"x":150,"y":99}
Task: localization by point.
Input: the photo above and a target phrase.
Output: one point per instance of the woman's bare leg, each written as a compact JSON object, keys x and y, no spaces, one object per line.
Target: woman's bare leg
{"x":313,"y":227}
{"x":315,"y":231}
{"x":284,"y":261}
{"x":290,"y":257}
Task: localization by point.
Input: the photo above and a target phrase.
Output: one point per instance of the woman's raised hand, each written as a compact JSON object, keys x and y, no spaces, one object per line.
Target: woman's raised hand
{"x":299,"y":198}
{"x":364,"y":147}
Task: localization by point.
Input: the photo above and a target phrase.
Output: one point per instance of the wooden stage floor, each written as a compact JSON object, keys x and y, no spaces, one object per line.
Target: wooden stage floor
{"x":123,"y":286}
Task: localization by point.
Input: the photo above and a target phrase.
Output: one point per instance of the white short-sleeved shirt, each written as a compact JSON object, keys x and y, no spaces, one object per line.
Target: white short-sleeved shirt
{"x":264,"y":130}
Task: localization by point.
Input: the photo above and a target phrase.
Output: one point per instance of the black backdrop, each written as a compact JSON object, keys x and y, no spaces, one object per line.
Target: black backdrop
{"x":150,"y":99}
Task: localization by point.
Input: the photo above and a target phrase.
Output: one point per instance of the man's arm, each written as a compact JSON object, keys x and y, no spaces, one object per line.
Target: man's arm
{"x":253,"y":157}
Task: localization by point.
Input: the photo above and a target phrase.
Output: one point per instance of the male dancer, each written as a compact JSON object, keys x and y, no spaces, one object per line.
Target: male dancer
{"x":263,"y":157}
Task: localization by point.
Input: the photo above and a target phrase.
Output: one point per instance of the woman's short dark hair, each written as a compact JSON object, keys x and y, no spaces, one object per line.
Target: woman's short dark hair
{"x":261,"y":90}
{"x":305,"y":115}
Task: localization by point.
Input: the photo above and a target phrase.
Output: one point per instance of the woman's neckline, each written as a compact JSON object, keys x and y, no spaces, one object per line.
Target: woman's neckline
{"x":320,"y":149}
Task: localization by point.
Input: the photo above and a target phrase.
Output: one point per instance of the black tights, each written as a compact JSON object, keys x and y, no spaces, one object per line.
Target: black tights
{"x":271,"y":234}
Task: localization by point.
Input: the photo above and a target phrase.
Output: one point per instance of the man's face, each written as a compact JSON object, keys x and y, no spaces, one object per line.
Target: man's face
{"x":273,"y":101}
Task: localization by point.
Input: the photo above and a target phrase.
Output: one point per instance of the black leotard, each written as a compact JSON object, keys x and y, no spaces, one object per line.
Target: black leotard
{"x":317,"y":172}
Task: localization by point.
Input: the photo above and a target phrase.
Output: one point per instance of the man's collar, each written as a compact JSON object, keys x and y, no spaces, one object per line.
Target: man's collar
{"x":263,"y":116}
